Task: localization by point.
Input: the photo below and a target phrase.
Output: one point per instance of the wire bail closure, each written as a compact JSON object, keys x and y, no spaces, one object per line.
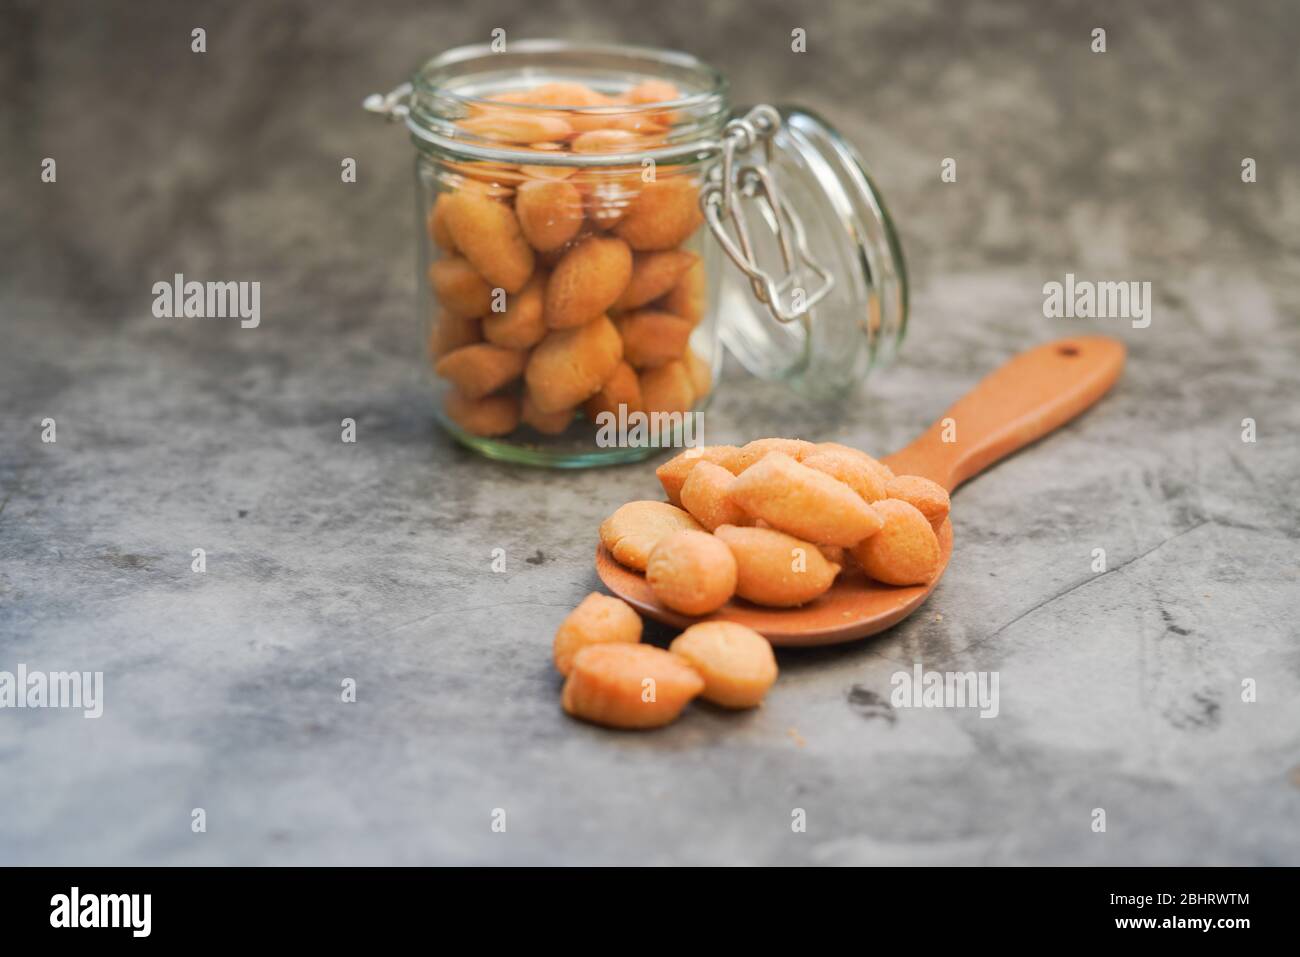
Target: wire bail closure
{"x":393,"y":105}
{"x":720,"y":200}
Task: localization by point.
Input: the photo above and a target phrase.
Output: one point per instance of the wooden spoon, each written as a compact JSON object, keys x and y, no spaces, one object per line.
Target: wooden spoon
{"x":1033,"y":394}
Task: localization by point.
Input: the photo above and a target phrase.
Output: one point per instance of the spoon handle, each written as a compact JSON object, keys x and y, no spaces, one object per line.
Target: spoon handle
{"x":1034,"y":393}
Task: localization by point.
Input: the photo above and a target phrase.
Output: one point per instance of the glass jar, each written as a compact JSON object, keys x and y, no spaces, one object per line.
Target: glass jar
{"x":580,"y":211}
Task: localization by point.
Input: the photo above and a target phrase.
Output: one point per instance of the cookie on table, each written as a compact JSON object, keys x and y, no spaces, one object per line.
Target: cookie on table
{"x":622,"y":685}
{"x":736,"y":662}
{"x":597,"y":619}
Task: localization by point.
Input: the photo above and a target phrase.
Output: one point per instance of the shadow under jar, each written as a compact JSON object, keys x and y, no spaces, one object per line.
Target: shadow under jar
{"x":574,"y":230}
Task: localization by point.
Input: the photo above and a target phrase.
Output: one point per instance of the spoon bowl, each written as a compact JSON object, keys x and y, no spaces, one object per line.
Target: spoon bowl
{"x":1033,"y":394}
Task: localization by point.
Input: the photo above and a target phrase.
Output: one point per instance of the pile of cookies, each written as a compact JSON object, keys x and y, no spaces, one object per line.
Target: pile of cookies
{"x":773,"y":522}
{"x":614,"y":680}
{"x":566,"y":289}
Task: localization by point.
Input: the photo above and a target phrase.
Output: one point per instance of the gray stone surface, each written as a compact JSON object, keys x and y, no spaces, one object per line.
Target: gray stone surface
{"x":326,"y":561}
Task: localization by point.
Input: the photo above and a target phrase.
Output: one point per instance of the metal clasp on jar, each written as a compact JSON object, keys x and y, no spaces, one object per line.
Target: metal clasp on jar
{"x":721,"y":198}
{"x":394,"y":105}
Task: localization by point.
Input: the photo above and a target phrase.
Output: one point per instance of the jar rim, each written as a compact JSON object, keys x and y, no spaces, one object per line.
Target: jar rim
{"x":461,"y":81}
{"x":431,"y":76}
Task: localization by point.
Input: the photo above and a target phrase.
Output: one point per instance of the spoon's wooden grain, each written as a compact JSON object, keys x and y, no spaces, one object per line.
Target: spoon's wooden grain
{"x":1033,"y":394}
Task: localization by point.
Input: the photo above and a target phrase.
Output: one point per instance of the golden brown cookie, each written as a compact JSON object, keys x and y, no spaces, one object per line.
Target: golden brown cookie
{"x":706,"y":494}
{"x":905,"y":551}
{"x":621,"y":388}
{"x":587,"y":281}
{"x":776,"y":569}
{"x":653,"y":338}
{"x":654,"y":274}
{"x":663,"y":215}
{"x":883,"y":470}
{"x":570,"y":365}
{"x":623,"y":685}
{"x":550,"y":213}
{"x":667,"y":388}
{"x":672,"y":474}
{"x":547,"y":423}
{"x":522,"y":325}
{"x":493,"y":415}
{"x":481,"y":368}
{"x":689,"y":298}
{"x":754,"y":451}
{"x":518,"y":127}
{"x":803,"y":502}
{"x":853,"y":470}
{"x":736,"y":662}
{"x":634,"y":529}
{"x":597,"y":619}
{"x":929,"y":498}
{"x":459,"y":288}
{"x":487,"y":233}
{"x":691,"y":572}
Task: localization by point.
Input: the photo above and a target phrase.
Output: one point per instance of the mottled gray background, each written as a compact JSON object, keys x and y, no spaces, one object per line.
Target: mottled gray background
{"x":326,"y":561}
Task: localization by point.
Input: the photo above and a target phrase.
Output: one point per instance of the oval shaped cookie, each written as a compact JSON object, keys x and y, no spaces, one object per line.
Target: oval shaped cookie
{"x":927,"y":497}
{"x":459,"y":288}
{"x":691,"y":572}
{"x":801,"y":501}
{"x":621,"y":388}
{"x":597,"y":619}
{"x":634,"y":529}
{"x":522,"y":325}
{"x":490,"y":416}
{"x":776,"y":569}
{"x":706,"y":494}
{"x":663,"y":215}
{"x":481,"y":368}
{"x":736,"y":662}
{"x":487,"y":233}
{"x":570,"y":365}
{"x":905,"y":551}
{"x":623,"y":685}
{"x":587,"y":281}
{"x":853,"y":470}
{"x":672,"y":474}
{"x":550,"y":213}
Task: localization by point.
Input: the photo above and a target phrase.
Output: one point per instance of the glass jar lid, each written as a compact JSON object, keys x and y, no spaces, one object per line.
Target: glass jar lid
{"x":820,"y":293}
